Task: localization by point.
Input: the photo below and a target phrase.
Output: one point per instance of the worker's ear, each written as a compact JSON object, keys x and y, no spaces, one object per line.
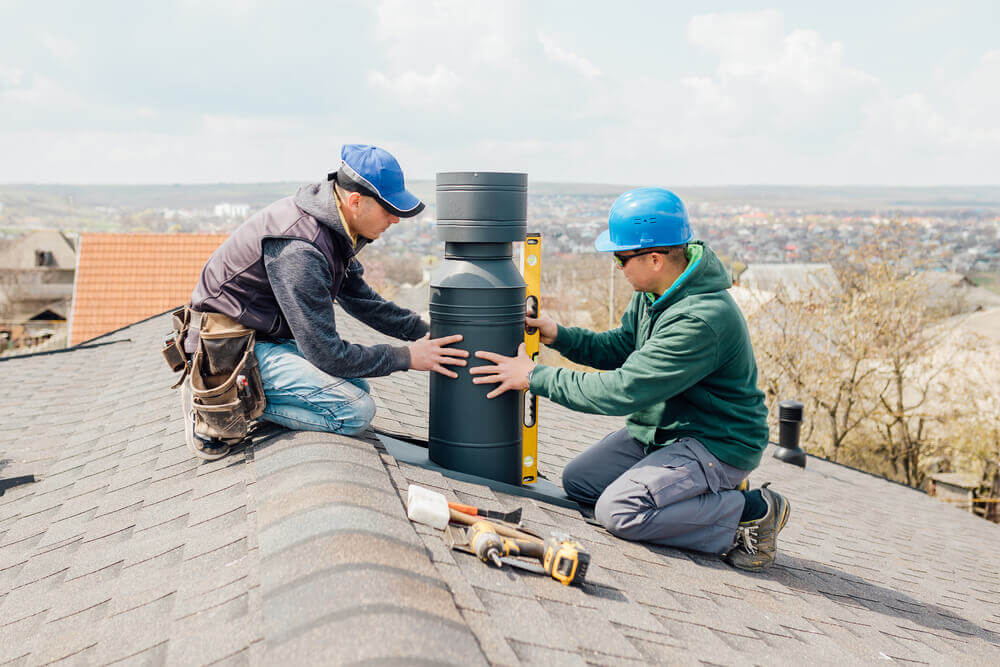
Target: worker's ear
{"x":354,"y":200}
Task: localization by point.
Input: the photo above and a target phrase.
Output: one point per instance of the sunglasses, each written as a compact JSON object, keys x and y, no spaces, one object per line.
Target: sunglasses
{"x":622,"y":260}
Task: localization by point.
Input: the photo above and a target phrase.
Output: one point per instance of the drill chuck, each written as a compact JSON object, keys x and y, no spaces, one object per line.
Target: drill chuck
{"x":486,"y":543}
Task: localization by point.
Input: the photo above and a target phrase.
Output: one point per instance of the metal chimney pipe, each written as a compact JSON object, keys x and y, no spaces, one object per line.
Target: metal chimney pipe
{"x":479,"y":293}
{"x":789,"y":426}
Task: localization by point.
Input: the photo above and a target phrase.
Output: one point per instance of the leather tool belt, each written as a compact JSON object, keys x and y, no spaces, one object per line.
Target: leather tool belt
{"x":226,"y":388}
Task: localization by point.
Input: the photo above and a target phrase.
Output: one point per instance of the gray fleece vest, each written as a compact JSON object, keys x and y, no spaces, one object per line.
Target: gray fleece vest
{"x":234,"y":281}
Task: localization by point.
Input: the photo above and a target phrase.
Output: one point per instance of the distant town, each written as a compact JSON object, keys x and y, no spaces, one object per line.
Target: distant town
{"x":955,"y":229}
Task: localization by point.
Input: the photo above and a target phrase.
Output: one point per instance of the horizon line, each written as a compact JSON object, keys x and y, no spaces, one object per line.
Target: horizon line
{"x":540,"y":182}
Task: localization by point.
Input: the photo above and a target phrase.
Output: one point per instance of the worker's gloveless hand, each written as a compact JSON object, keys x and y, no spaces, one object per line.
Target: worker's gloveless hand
{"x":429,"y":354}
{"x":508,"y":372}
{"x":547,"y":328}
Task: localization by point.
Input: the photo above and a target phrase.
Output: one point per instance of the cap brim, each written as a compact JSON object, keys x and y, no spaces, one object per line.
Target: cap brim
{"x":402,"y":204}
{"x":603,"y":243}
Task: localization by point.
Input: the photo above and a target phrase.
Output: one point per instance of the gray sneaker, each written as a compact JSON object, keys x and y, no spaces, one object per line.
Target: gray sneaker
{"x":208,"y":449}
{"x":757,"y":541}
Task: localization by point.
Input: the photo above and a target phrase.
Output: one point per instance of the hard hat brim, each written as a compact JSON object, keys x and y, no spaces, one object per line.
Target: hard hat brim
{"x":603,"y":243}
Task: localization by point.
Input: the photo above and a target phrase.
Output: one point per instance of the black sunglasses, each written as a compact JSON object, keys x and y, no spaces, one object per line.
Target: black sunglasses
{"x":622,"y":260}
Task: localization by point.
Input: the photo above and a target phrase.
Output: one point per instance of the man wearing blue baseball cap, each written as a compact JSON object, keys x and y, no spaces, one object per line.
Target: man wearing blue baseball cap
{"x":273,"y":284}
{"x":682,"y":368}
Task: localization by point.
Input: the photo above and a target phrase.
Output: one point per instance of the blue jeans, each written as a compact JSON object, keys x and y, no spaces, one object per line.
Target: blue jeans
{"x":304,"y":398}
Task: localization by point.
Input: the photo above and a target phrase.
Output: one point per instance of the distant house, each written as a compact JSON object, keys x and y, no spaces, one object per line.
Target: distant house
{"x":227,"y":210}
{"x":977,"y":494}
{"x":954,"y":294}
{"x":123,"y":278}
{"x":43,"y":248}
{"x":797,"y":280}
{"x":36,"y":288}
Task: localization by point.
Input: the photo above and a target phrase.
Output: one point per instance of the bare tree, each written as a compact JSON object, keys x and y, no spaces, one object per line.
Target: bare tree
{"x":812,"y":348}
{"x":870,"y":363}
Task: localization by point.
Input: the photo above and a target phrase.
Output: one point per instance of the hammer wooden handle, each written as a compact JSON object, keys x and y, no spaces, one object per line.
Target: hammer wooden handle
{"x":468,"y":520}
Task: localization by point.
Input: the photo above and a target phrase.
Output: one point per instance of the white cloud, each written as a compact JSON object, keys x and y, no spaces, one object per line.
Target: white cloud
{"x":975,"y":97}
{"x":787,"y":106}
{"x":62,"y":48}
{"x":220,"y":150}
{"x":228,"y":125}
{"x":573,"y":60}
{"x":409,"y":88}
{"x":444,"y":54}
{"x":230,"y":8}
{"x":767,"y":79}
{"x":950,"y":134}
{"x":792,"y":98}
{"x":10,"y":77}
{"x":474,"y":84}
{"x":472,"y":32}
{"x":34,"y":93}
{"x":754,"y":47}
{"x":745,"y":42}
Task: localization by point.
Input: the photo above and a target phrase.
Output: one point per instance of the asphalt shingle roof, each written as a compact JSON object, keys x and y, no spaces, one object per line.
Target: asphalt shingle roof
{"x":297,"y":548}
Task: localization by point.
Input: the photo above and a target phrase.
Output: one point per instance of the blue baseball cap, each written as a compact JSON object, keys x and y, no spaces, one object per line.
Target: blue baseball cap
{"x":375,"y":172}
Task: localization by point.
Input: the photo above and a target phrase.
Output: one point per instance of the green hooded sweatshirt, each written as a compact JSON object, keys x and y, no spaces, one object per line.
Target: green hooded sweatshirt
{"x":679,"y":366}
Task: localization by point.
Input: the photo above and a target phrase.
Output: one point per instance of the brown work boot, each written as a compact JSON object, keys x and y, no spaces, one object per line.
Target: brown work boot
{"x":207,"y":449}
{"x":757,"y":541}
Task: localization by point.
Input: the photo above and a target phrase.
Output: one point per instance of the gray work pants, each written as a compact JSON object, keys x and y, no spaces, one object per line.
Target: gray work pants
{"x":679,"y":495}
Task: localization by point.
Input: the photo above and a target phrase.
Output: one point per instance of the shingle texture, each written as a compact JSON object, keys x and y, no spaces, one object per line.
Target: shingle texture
{"x":297,"y":549}
{"x":126,"y":548}
{"x":123,"y":278}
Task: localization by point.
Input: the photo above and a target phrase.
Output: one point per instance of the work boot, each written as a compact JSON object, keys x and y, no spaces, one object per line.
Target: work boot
{"x":757,"y":541}
{"x":208,"y":449}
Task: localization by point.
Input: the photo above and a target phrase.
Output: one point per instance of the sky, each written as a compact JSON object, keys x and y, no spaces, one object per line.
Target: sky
{"x":651,"y":93}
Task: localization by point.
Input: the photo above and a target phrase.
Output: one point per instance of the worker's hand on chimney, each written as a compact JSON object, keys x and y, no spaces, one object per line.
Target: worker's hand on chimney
{"x":432,"y":354}
{"x":547,"y":327}
{"x":508,"y":372}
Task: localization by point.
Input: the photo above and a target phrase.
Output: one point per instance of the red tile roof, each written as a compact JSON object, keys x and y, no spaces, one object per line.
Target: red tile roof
{"x":124,"y":278}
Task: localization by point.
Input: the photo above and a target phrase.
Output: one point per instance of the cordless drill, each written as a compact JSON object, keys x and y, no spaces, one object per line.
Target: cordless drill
{"x":564,"y":560}
{"x":561,"y":557}
{"x":489,"y":546}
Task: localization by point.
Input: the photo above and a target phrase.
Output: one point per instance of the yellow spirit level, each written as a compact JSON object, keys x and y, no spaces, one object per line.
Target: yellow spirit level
{"x":532,"y":271}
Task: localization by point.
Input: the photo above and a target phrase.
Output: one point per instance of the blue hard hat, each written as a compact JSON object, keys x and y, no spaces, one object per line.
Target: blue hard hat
{"x":378,"y":172}
{"x":645,"y":218}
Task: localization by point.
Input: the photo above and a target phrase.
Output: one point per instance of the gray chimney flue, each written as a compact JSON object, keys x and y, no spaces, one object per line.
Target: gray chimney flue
{"x":479,"y":293}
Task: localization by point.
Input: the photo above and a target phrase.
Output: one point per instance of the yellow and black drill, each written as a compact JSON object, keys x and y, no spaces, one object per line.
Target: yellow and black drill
{"x":490,"y":546}
{"x":561,"y":557}
{"x":564,"y":560}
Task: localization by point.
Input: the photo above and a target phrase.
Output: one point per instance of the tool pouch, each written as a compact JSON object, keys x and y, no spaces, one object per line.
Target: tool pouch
{"x":226,"y":387}
{"x":173,"y":343}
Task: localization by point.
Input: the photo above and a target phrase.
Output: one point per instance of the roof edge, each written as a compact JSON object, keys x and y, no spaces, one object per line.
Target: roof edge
{"x":80,"y":346}
{"x":92,"y":342}
{"x":870,"y":474}
{"x":89,"y":341}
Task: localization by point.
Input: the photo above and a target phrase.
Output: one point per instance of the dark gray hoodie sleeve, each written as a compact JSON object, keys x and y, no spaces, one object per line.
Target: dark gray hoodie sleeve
{"x":299,"y":273}
{"x":360,"y":300}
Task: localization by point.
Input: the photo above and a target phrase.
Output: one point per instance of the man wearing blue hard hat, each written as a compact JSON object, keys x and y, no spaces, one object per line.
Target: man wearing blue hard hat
{"x":259,"y":337}
{"x":682,"y":368}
